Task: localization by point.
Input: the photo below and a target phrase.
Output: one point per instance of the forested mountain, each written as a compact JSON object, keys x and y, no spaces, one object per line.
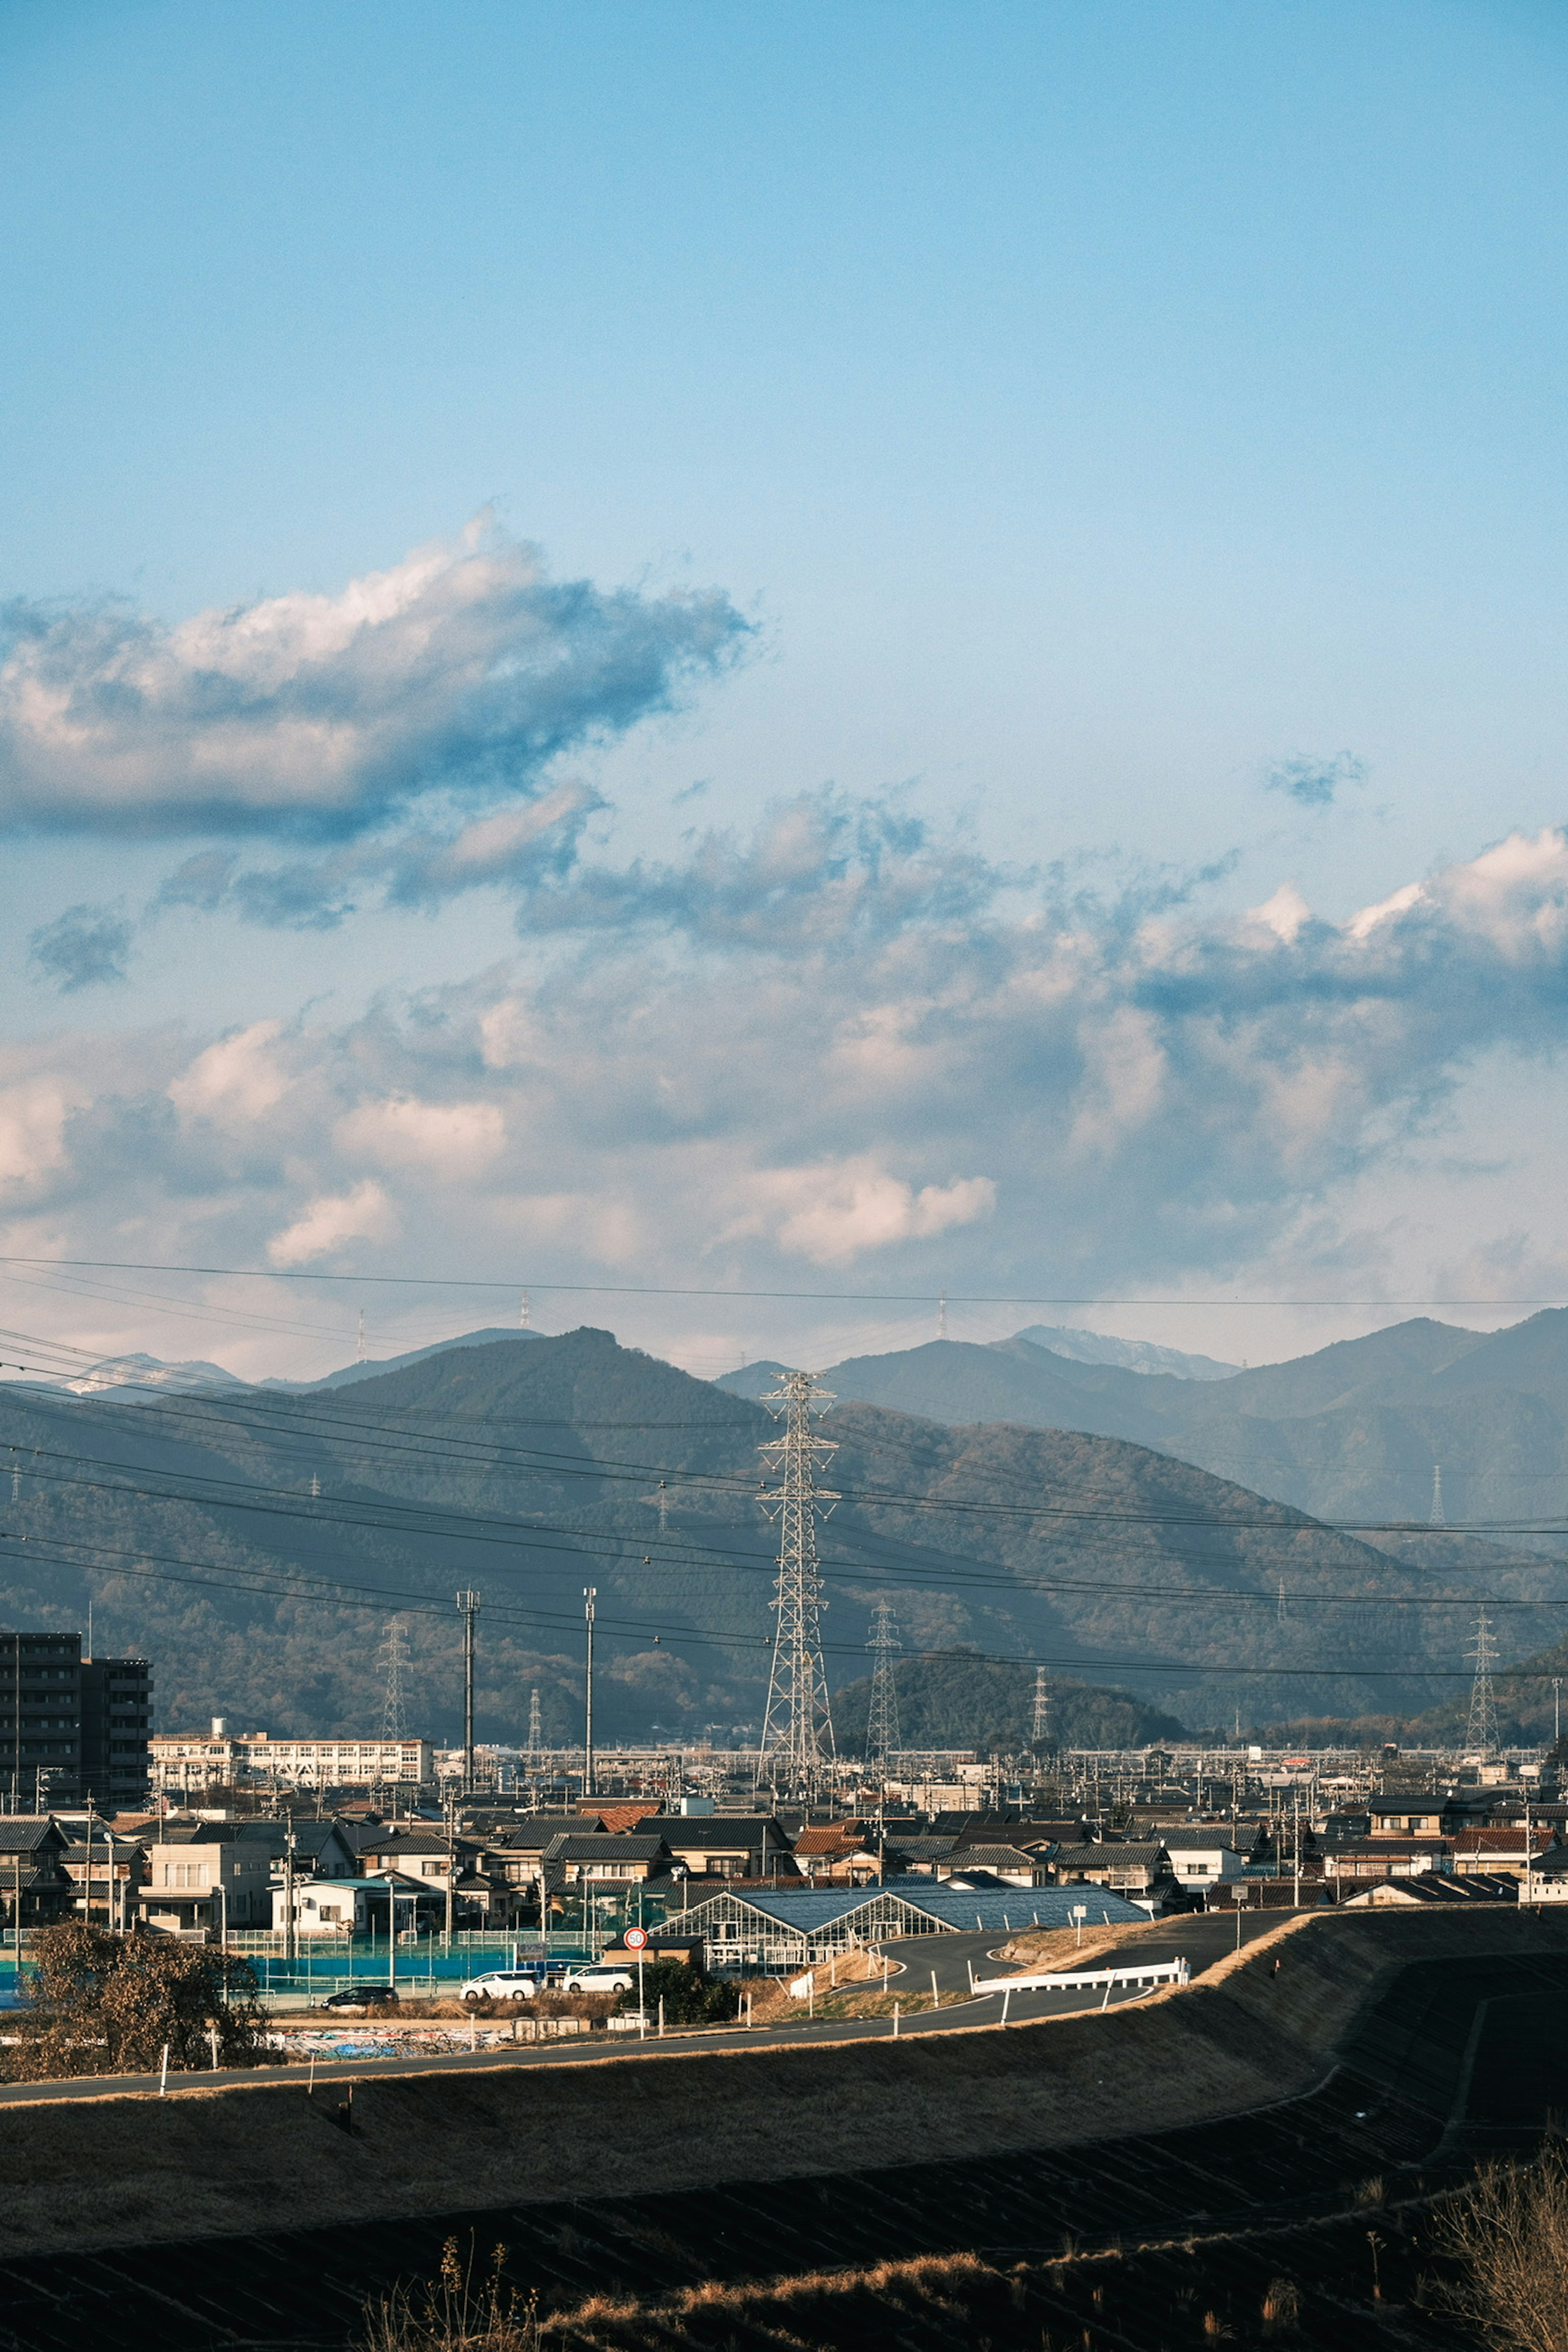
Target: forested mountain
{"x":253,"y":1543}
{"x":953,"y":1698}
{"x":1350,"y":1433}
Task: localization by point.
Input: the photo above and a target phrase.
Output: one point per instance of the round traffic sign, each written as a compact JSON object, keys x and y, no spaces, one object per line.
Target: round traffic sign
{"x":635,"y":1938}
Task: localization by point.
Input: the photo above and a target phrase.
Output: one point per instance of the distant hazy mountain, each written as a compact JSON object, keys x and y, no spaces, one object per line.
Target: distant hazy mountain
{"x":752,"y":1381}
{"x":1348,"y":1434}
{"x":1132,"y":1355}
{"x":128,"y":1377}
{"x":372,"y":1369}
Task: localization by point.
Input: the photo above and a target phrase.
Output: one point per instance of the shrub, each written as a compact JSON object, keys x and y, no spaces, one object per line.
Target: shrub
{"x":105,"y":2004}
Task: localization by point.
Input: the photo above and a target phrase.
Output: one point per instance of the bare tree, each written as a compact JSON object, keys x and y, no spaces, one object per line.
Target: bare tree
{"x":1509,"y":2237}
{"x":104,"y":2004}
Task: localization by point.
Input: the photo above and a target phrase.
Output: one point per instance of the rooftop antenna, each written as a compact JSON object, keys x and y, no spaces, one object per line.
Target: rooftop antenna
{"x":1480,"y":1733}
{"x":942,"y":1316}
{"x":1436,"y":1517}
{"x":882,"y":1740}
{"x":360,"y":1351}
{"x":394,"y":1658}
{"x":523,"y":1312}
{"x":796,"y":1746}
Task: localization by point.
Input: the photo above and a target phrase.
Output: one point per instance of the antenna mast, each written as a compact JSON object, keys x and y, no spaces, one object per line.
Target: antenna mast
{"x":797,"y":1728}
{"x":882,"y":1741}
{"x":394,"y":1658}
{"x":1480,"y":1734}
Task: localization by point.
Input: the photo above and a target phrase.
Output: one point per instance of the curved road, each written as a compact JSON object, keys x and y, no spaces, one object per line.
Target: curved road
{"x":1200,"y":1940}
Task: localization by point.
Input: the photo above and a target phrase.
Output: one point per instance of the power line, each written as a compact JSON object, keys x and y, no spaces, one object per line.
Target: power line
{"x":698,"y":1290}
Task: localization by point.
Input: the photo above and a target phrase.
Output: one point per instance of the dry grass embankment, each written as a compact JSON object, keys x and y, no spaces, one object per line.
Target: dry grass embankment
{"x":112,"y":2169}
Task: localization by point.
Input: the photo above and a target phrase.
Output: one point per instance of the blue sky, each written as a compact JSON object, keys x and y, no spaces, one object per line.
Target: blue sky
{"x":1014,"y":489}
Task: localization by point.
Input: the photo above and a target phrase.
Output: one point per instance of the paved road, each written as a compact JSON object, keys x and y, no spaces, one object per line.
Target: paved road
{"x":1200,"y":1940}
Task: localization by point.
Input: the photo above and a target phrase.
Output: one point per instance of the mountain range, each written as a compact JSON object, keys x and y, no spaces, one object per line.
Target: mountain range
{"x":1350,"y":1434}
{"x":254,"y":1542}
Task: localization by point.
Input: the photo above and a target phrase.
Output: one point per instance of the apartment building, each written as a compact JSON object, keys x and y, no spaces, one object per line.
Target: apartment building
{"x":185,"y":1763}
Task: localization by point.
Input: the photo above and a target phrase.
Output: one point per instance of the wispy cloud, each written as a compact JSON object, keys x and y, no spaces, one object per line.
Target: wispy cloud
{"x":1315,"y":780}
{"x":464,"y":670}
{"x":83,"y":948}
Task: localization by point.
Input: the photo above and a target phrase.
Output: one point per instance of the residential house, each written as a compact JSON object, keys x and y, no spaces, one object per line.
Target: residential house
{"x":1432,"y":1887}
{"x":204,"y":1877}
{"x":342,"y":1907}
{"x":426,"y":1855}
{"x":726,"y":1845}
{"x":1130,"y":1870}
{"x":1352,"y":1861}
{"x":1206,"y":1855}
{"x":1488,"y":1851}
{"x":105,"y":1871}
{"x":1006,"y":1866}
{"x":1406,"y":1817}
{"x":35,"y":1887}
{"x":597,"y":1860}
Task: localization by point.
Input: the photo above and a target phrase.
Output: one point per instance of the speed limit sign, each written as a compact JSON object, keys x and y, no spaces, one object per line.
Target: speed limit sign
{"x":635,"y":1938}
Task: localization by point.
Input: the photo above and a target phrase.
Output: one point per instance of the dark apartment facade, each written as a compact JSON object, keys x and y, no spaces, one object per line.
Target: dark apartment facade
{"x":71,"y":1727}
{"x":116,"y":1722}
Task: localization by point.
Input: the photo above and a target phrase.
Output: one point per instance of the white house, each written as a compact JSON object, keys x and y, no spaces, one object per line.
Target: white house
{"x":1203,"y":1856}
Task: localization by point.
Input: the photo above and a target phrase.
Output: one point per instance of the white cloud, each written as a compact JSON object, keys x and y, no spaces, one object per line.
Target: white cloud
{"x":362,"y":1215}
{"x":237,"y":1081}
{"x":457,"y":1142}
{"x":833,"y":1214}
{"x":463,"y":668}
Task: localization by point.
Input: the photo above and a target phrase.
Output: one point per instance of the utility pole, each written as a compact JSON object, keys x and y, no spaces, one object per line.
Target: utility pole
{"x":882,"y":1717}
{"x":468,"y":1602}
{"x":1556,"y":1710}
{"x":590,"y":1595}
{"x":291,"y":1932}
{"x":797,"y":1746}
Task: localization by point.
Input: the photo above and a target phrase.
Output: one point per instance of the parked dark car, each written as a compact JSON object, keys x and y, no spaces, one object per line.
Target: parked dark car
{"x":360,"y":1995}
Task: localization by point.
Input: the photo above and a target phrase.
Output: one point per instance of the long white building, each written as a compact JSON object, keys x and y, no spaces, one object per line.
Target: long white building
{"x":185,"y":1762}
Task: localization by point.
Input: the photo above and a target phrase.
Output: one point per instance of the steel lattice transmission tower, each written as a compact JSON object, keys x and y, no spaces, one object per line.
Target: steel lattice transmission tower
{"x":1480,"y":1733}
{"x":882,"y":1740}
{"x":1436,"y":1517}
{"x":797,"y":1728}
{"x":394,"y":1658}
{"x":1041,"y":1729}
{"x":535,"y":1731}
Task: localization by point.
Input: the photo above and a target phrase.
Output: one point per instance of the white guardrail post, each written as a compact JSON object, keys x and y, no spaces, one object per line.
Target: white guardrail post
{"x":1155,"y":1972}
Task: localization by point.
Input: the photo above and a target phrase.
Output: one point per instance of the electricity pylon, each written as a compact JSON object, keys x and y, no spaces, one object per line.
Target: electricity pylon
{"x":535,"y":1732}
{"x":1041,"y":1728}
{"x":394,"y":1658}
{"x":798,"y":1730}
{"x":1480,"y":1733}
{"x":882,"y":1741}
{"x":1436,"y":1517}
